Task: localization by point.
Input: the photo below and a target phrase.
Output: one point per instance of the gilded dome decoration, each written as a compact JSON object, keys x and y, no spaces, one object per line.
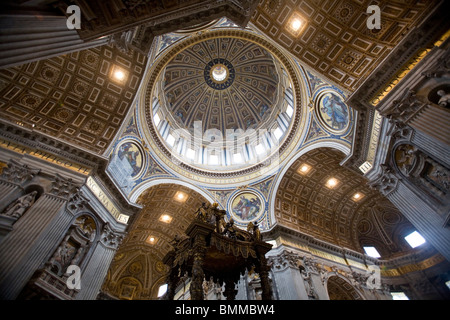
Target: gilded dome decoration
{"x":223,"y":105}
{"x":219,"y":74}
{"x":237,"y":89}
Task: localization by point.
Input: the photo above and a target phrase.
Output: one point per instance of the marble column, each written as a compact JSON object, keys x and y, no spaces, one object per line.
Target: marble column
{"x":198,"y":275}
{"x":28,"y":244}
{"x":427,"y":221}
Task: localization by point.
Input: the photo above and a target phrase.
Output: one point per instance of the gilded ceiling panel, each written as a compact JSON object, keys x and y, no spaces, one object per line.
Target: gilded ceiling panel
{"x":76,"y":97}
{"x":334,"y":38}
{"x":137,"y":269}
{"x":307,"y":202}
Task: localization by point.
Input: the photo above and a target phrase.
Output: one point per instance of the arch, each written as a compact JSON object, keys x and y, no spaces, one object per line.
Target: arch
{"x":340,"y":288}
{"x":151,"y":236}
{"x":34,"y":187}
{"x":321,"y":144}
{"x":134,"y":195}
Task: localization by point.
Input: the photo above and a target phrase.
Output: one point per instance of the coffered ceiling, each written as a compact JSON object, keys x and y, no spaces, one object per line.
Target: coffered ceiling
{"x":137,"y":269}
{"x":76,"y":97}
{"x":246,"y":98}
{"x":334,"y":38}
{"x":305,"y":203}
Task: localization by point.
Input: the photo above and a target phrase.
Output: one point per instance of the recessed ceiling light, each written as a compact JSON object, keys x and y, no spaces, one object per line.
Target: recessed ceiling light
{"x":331,"y":183}
{"x":119,"y":75}
{"x":304,"y":168}
{"x":357,"y":196}
{"x":296,"y":24}
{"x":165,"y":218}
{"x":180,"y":196}
{"x":151,"y":239}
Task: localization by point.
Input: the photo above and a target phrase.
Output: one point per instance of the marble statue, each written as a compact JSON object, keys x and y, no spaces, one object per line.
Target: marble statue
{"x":18,"y":208}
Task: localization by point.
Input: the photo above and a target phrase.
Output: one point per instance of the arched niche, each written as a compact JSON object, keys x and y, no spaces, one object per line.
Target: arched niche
{"x":339,"y":288}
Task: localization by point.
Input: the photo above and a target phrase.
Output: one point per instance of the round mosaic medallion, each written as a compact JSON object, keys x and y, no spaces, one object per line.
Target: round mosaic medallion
{"x":246,"y":206}
{"x":333,"y":112}
{"x":219,"y":74}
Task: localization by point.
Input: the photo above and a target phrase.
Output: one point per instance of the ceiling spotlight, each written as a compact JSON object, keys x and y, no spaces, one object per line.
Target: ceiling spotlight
{"x":331,"y":183}
{"x":357,"y":196}
{"x":165,"y":218}
{"x":119,"y":75}
{"x":296,"y":24}
{"x":151,"y":240}
{"x":180,"y":196}
{"x":304,"y":169}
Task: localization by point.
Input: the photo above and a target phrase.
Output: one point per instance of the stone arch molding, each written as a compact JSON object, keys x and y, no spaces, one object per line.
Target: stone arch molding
{"x":344,"y":284}
{"x":320,"y":144}
{"x":148,"y":184}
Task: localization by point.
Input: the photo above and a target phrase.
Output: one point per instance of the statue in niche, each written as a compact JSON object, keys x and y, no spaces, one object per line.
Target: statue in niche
{"x":444,"y":101}
{"x":87,"y":227}
{"x":439,"y":175}
{"x":63,"y":256}
{"x":309,"y":286}
{"x":22,"y":204}
{"x":405,"y":157}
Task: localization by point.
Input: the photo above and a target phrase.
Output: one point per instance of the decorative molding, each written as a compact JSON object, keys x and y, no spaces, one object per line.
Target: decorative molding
{"x":386,"y":182}
{"x":63,"y":187}
{"x":18,"y":173}
{"x":111,"y":238}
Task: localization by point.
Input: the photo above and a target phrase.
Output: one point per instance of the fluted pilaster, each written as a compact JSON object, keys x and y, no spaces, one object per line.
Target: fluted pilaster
{"x":27,"y":38}
{"x":95,"y":272}
{"x":33,"y":237}
{"x":427,"y":221}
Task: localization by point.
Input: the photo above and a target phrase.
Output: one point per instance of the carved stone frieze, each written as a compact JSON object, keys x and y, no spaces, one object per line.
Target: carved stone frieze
{"x":17,"y":173}
{"x":386,"y":182}
{"x":77,"y":201}
{"x":440,"y":68}
{"x":406,"y":107}
{"x":63,"y":187}
{"x":284,"y":260}
{"x":310,"y":264}
{"x":399,"y":130}
{"x":111,"y":238}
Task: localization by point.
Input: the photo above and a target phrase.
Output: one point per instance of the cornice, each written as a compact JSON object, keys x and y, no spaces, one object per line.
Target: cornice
{"x":40,"y":141}
{"x":417,"y":259}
